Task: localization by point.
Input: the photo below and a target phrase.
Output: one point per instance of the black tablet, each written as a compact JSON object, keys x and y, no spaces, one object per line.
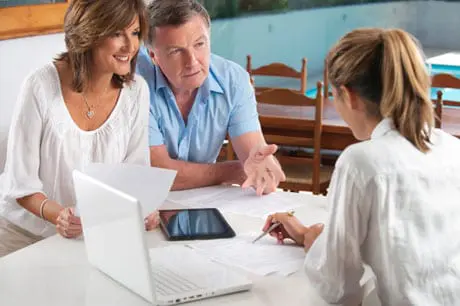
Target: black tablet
{"x":188,"y":224}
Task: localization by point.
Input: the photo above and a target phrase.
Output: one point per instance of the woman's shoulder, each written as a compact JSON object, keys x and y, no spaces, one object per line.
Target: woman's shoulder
{"x":135,"y":96}
{"x":45,"y":74}
{"x":40,"y":85}
{"x":136,"y":89}
{"x":374,"y":156}
{"x":137,"y":85}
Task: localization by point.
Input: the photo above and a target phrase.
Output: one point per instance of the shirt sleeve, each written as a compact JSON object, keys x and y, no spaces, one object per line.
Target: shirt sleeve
{"x":146,"y":69}
{"x":138,"y":150}
{"x":155,"y":135}
{"x":243,"y":117}
{"x":23,"y":151}
{"x":333,"y":264}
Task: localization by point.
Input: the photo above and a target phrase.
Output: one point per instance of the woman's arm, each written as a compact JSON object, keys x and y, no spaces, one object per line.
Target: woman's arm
{"x":36,"y":204}
{"x":334,"y":264}
{"x":22,"y":181}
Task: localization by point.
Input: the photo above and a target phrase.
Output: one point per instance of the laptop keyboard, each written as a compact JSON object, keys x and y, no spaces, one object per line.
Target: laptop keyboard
{"x":169,"y":282}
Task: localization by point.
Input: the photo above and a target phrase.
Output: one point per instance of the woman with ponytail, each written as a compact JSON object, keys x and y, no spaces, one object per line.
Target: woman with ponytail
{"x":394,"y":198}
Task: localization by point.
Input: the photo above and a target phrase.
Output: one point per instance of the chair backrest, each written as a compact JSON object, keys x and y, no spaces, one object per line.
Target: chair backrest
{"x":443,"y":80}
{"x":438,"y":109}
{"x":278,"y":70}
{"x":288,"y":97}
{"x":327,"y":93}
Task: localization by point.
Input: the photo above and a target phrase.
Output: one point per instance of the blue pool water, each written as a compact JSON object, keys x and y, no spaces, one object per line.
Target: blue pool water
{"x":448,"y":94}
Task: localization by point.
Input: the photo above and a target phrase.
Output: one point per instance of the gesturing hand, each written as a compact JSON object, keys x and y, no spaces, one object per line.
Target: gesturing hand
{"x":263,"y":171}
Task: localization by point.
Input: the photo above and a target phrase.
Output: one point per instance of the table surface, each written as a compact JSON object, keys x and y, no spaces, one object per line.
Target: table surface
{"x":55,"y":271}
{"x":332,"y":123}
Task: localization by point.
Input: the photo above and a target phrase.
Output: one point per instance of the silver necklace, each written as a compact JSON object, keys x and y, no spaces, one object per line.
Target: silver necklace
{"x":91,"y":109}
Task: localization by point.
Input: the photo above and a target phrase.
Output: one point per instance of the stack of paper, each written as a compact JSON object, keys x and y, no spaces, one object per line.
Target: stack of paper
{"x":235,"y":200}
{"x":261,"y":258}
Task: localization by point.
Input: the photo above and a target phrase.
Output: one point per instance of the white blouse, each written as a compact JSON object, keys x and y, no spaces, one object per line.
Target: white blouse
{"x":45,"y":144}
{"x":397,"y":210}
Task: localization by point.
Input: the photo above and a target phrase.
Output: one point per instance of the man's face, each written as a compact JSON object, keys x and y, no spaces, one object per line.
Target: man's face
{"x":183,"y":53}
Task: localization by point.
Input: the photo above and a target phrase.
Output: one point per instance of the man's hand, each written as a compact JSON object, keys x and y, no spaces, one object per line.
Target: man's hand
{"x":263,"y":171}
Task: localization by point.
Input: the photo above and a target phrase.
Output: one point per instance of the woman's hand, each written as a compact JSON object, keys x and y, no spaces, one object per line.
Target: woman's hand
{"x":152,"y":221}
{"x":67,"y":224}
{"x":310,"y":236}
{"x":292,"y":228}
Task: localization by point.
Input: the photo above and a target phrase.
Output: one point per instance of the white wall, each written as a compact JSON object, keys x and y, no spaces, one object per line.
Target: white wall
{"x":438,"y":24}
{"x":308,"y":33}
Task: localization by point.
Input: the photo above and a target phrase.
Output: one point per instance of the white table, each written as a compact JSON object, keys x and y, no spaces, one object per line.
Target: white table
{"x":55,"y":272}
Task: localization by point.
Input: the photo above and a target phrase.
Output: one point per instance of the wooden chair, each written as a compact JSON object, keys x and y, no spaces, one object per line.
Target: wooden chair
{"x":326,"y":93}
{"x":302,"y":172}
{"x":443,"y":80}
{"x":226,"y":152}
{"x":278,"y":70}
{"x":438,"y":109}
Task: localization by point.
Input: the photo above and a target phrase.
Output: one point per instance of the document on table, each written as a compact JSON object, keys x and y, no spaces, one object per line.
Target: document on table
{"x":149,"y":185}
{"x":262,"y":258}
{"x":235,"y":200}
{"x":196,"y":196}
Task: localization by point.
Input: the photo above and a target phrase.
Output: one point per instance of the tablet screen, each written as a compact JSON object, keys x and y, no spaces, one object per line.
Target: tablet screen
{"x":186,"y":224}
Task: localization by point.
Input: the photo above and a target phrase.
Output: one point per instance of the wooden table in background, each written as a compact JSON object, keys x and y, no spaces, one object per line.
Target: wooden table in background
{"x":277,"y":120}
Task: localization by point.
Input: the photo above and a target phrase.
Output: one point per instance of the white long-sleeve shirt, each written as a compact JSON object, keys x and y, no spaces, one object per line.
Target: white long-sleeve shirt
{"x":397,"y":210}
{"x":45,"y":144}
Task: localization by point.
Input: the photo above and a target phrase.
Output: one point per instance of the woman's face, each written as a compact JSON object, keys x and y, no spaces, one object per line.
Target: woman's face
{"x":114,"y":54}
{"x":353,"y":111}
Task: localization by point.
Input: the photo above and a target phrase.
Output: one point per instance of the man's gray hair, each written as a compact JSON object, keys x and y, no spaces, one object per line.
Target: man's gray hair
{"x":173,"y":13}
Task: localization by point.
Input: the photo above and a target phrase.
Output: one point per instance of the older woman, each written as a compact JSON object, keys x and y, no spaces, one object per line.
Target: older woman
{"x":85,"y":106}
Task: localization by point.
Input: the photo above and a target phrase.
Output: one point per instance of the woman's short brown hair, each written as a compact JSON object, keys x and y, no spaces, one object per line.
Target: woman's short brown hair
{"x":87,"y":23}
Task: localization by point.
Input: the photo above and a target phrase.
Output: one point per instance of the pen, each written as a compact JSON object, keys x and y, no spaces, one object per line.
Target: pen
{"x":271,"y":228}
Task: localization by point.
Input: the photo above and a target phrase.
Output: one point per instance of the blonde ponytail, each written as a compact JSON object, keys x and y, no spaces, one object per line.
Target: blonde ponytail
{"x":386,"y":69}
{"x":405,"y":96}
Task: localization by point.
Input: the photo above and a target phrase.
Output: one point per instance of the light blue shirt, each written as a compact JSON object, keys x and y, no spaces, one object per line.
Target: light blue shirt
{"x":224,"y":103}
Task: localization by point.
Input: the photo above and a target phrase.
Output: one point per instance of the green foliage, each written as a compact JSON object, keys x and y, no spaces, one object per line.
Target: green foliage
{"x":262,"y":5}
{"x":233,"y":8}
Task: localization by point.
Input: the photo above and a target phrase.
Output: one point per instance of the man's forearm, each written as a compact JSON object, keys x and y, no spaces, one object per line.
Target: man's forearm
{"x":194,"y":175}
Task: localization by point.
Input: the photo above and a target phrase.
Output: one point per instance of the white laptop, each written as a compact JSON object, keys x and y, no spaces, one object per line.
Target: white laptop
{"x":114,"y":232}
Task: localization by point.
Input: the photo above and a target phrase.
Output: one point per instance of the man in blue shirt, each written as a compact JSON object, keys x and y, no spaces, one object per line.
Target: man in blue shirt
{"x":196,"y":98}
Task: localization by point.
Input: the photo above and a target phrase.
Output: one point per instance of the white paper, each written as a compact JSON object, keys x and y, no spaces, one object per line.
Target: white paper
{"x":262,"y":258}
{"x":197,"y":196}
{"x":236,"y":200}
{"x":149,"y":185}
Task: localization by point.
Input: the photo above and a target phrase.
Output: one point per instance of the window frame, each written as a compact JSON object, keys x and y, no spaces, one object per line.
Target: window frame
{"x":30,"y":20}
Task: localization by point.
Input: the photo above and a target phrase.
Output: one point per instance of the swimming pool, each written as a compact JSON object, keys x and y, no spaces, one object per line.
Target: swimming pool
{"x":448,"y":94}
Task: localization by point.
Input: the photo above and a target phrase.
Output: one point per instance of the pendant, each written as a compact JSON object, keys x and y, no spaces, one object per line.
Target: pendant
{"x":90,"y":114}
